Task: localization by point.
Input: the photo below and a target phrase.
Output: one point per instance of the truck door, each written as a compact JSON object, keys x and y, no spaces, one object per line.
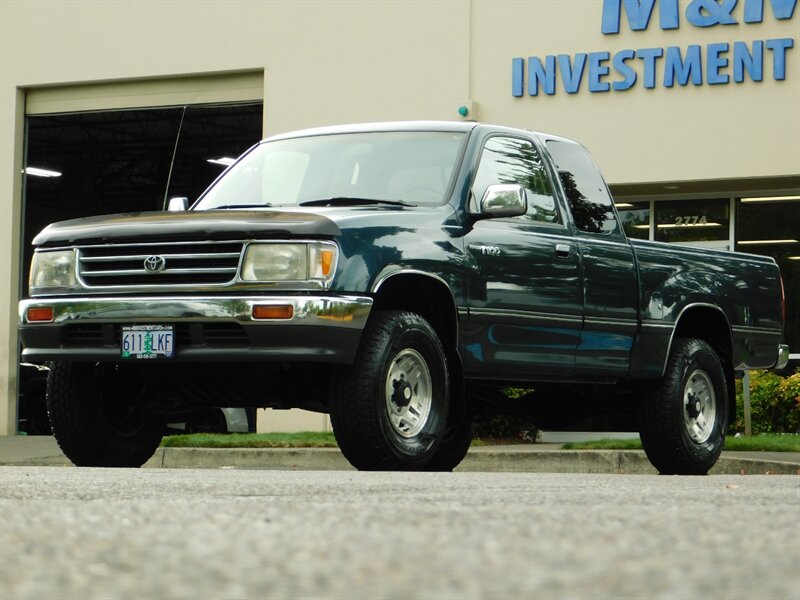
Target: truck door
{"x":610,"y":281}
{"x":525,"y":295}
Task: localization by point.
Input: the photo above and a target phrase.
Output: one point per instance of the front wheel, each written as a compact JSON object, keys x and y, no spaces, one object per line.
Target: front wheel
{"x":683,"y":423}
{"x":389,"y":408}
{"x":98,"y":416}
{"x":456,"y":440}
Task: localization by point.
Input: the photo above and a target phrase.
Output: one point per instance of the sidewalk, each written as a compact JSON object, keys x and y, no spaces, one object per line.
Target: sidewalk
{"x":529,"y":458}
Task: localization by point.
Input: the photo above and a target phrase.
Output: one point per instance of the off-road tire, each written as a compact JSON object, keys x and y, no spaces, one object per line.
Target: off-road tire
{"x":453,"y":448}
{"x":683,"y":419}
{"x":366,"y":422}
{"x":79,"y":404}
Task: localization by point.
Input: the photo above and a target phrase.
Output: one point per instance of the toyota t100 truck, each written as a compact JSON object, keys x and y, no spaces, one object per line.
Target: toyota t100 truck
{"x":400,"y":277}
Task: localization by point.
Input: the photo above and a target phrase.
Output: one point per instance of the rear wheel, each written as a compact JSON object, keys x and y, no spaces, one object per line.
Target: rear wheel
{"x":98,"y":417}
{"x":683,"y":424}
{"x":389,"y":409}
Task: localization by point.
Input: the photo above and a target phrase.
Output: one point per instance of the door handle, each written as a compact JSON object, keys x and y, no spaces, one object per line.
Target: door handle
{"x":563,"y":250}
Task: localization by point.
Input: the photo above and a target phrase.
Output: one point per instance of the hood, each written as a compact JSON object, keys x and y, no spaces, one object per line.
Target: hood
{"x":179,"y":226}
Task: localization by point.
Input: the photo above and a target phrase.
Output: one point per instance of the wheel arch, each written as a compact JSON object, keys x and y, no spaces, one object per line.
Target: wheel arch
{"x":430,"y":297}
{"x":709,"y":323}
{"x":423,"y":293}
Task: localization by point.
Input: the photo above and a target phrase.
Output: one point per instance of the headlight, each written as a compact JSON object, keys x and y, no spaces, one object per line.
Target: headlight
{"x":53,"y":269}
{"x":290,"y":262}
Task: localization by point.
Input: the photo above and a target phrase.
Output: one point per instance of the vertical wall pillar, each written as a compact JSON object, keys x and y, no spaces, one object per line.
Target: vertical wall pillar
{"x":12,"y":123}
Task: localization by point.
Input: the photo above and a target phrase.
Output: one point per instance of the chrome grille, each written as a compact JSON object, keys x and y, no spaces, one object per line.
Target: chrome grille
{"x":184,"y":263}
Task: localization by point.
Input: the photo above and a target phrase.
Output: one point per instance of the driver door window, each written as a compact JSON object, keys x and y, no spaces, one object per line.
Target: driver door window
{"x":514,"y":160}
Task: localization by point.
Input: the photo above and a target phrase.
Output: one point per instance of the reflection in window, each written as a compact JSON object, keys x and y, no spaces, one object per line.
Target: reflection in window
{"x":692,"y":220}
{"x":635,"y":217}
{"x":513,"y":160}
{"x":584,"y":187}
{"x":410,"y":166}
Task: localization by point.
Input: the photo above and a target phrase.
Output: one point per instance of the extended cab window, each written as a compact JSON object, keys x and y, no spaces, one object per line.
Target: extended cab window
{"x":587,"y":194}
{"x":514,"y":160}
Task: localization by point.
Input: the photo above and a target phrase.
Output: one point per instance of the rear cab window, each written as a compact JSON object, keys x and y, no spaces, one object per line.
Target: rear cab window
{"x":585,"y":190}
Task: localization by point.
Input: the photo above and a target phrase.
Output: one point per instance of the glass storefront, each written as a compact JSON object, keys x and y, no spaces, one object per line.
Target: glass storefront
{"x":771,"y":226}
{"x":687,"y":221}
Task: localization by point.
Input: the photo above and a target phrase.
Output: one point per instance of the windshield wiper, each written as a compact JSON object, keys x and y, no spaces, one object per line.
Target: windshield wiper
{"x":224,"y":206}
{"x":347,"y":201}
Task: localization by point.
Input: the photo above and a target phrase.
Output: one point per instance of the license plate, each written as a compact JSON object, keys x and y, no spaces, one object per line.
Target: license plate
{"x":148,"y":341}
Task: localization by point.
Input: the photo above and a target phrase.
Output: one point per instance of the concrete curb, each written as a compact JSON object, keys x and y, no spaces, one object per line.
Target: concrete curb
{"x":482,"y":459}
{"x":539,"y":458}
{"x":307,"y":459}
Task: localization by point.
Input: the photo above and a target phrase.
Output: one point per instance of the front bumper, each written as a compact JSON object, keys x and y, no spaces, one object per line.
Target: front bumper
{"x":208,"y":328}
{"x":783,"y":357}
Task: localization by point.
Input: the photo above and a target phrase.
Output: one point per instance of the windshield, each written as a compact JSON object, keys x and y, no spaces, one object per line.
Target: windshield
{"x":409,"y":167}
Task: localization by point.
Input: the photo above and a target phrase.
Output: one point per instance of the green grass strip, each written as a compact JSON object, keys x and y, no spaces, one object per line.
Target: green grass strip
{"x":314,"y":439}
{"x":756,"y":443}
{"x":302,"y":439}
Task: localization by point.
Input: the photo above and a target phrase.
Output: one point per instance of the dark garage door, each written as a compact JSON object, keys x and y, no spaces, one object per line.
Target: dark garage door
{"x":103,"y":162}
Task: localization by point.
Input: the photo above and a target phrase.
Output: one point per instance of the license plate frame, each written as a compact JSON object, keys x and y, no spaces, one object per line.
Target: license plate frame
{"x":147,"y":342}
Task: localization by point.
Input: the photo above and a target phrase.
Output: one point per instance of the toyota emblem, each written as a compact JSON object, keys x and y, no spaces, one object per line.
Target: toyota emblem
{"x":155,"y":264}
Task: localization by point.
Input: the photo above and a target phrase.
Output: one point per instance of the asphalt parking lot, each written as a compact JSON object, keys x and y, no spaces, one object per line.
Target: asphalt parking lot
{"x":79,"y":533}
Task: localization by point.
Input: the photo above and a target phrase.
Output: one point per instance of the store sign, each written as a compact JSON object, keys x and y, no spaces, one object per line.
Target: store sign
{"x":714,"y":64}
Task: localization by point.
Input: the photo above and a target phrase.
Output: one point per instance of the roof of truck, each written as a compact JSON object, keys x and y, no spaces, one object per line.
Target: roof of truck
{"x":446,"y":126}
{"x":455,"y":126}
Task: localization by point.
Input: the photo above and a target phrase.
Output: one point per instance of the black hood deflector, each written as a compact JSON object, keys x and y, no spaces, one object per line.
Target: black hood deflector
{"x":186,"y":226}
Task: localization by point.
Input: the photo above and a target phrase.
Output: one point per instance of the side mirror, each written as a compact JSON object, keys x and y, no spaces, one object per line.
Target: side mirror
{"x":178,"y":204}
{"x":503,"y":200}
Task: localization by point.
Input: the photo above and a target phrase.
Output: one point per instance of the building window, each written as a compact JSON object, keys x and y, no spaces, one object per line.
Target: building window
{"x":771,"y":226}
{"x":687,"y":221}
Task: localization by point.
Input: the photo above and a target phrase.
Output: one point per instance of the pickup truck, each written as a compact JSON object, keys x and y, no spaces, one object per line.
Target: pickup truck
{"x":400,"y":277}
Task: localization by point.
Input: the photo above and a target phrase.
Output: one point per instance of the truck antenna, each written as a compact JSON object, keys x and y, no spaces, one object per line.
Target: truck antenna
{"x":172,"y":162}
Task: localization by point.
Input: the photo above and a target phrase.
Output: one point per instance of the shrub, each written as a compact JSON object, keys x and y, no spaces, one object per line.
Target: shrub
{"x":774,"y":403}
{"x":507,"y":426}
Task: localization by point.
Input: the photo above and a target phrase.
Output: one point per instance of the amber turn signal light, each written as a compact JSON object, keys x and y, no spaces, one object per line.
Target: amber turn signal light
{"x":273,"y":311}
{"x":42,"y":314}
{"x":326,"y":260}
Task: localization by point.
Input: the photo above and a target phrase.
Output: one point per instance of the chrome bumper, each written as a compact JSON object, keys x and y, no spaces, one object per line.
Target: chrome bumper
{"x":783,"y":357}
{"x":349,"y":312}
{"x":321,"y":328}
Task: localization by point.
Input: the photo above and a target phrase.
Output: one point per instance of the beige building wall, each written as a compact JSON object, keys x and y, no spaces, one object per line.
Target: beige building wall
{"x":645,"y":135}
{"x":353,"y":61}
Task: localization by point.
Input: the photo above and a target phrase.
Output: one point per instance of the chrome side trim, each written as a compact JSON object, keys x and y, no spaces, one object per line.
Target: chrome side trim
{"x":348,"y":312}
{"x":377,"y":285}
{"x":611,"y":321}
{"x":761,"y":330}
{"x":456,"y":314}
{"x":658,"y":325}
{"x":519,"y":314}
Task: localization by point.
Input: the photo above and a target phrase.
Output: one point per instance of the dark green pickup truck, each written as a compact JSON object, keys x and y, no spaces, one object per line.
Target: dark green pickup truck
{"x":400,"y":277}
